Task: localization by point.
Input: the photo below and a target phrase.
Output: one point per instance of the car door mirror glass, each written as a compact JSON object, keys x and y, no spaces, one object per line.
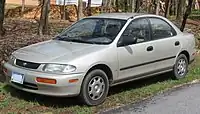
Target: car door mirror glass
{"x":127,"y":40}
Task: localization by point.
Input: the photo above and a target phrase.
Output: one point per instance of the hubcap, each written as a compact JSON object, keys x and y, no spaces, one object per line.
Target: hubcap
{"x":96,"y":87}
{"x":181,"y":67}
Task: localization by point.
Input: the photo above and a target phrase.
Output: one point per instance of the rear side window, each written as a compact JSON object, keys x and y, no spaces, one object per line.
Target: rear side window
{"x":161,"y":29}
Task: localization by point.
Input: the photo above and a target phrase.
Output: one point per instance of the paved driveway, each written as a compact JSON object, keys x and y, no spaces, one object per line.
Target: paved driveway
{"x":185,"y":100}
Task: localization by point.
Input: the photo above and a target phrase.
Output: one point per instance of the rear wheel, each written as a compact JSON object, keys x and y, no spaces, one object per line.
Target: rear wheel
{"x":94,"y":88}
{"x":181,"y":67}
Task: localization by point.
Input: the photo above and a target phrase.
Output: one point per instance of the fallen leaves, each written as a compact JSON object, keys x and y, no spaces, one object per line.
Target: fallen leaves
{"x":23,"y":32}
{"x":2,"y":97}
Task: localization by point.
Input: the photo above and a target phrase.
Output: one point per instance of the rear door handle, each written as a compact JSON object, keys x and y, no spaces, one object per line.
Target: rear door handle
{"x":150,"y":48}
{"x":177,"y":43}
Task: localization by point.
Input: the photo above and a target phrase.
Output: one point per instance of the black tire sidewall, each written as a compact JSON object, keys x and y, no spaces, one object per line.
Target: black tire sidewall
{"x":84,"y":88}
{"x":175,"y":71}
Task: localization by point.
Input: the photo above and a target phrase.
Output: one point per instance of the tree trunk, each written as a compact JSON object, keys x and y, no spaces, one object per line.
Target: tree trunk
{"x":171,"y":7}
{"x":187,"y":13}
{"x":40,"y":2}
{"x":148,"y":6}
{"x":167,"y":5}
{"x":114,"y":3}
{"x":2,"y":7}
{"x":157,"y":7}
{"x":184,"y":7}
{"x":176,"y":7}
{"x":43,"y":25}
{"x":179,"y":9}
{"x":64,"y":10}
{"x":109,"y":5}
{"x":117,"y":5}
{"x":23,"y":6}
{"x":80,"y":9}
{"x":125,"y":5}
{"x":133,"y":5}
{"x":137,"y":7}
{"x":89,"y":10}
{"x":106,"y":5}
{"x":102,"y":6}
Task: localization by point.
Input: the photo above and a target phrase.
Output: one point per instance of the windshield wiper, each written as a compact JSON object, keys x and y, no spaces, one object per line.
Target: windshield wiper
{"x":68,"y":39}
{"x":74,"y":40}
{"x":60,"y":37}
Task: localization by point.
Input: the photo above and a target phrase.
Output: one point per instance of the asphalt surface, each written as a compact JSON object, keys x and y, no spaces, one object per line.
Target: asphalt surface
{"x":184,"y":100}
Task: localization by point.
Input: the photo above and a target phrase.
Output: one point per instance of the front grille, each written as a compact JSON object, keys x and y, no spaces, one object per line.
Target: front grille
{"x":26,"y":64}
{"x":27,"y":85}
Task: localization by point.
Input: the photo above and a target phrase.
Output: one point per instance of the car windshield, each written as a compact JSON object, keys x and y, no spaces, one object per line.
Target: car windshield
{"x":93,"y":31}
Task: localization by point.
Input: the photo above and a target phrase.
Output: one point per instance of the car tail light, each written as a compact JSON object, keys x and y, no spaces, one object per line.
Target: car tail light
{"x":46,"y":80}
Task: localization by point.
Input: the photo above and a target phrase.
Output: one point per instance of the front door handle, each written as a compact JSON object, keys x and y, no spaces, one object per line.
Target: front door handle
{"x":150,"y":48}
{"x":177,"y":43}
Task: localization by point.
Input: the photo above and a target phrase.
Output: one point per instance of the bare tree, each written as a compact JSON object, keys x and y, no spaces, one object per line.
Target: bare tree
{"x":23,"y":6}
{"x":133,"y":5}
{"x":43,"y":24}
{"x":125,"y":5}
{"x":167,"y":5}
{"x":117,"y":5}
{"x":137,"y":6}
{"x":89,"y":9}
{"x":179,"y":9}
{"x":103,"y":6}
{"x":187,"y":13}
{"x":109,"y":5}
{"x":148,"y":5}
{"x":113,"y":2}
{"x":80,"y":10}
{"x":157,"y":7}
{"x":176,"y":6}
{"x":64,"y":10}
{"x":2,"y":7}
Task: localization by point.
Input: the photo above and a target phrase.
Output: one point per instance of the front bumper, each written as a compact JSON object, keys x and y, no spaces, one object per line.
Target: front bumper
{"x":62,"y":88}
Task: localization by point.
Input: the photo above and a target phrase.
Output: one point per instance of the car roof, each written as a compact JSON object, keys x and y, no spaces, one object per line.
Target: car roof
{"x":124,"y":16}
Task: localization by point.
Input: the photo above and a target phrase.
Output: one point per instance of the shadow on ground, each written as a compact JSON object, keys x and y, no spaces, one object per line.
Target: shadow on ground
{"x":61,"y":102}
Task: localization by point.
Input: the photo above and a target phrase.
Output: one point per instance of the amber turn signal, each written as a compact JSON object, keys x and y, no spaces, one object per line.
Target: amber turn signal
{"x":46,"y":80}
{"x":73,"y":80}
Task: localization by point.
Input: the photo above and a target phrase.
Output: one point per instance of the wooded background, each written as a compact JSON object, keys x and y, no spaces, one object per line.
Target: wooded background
{"x":180,"y":9}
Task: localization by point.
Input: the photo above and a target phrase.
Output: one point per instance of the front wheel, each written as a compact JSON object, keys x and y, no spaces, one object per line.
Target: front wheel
{"x":94,"y":88}
{"x":181,"y":67}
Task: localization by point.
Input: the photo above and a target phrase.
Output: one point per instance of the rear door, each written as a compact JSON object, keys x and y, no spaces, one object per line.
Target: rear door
{"x":166,"y":44}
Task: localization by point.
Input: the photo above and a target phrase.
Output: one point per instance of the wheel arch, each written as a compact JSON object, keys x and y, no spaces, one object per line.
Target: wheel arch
{"x":186,"y":54}
{"x":104,"y":68}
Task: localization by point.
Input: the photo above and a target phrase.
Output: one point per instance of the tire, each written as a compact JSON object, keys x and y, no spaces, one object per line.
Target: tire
{"x":181,"y":67}
{"x":94,"y":89}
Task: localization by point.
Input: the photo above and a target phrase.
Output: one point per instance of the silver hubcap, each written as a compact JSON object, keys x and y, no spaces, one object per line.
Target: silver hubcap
{"x":181,"y":67}
{"x":96,"y":87}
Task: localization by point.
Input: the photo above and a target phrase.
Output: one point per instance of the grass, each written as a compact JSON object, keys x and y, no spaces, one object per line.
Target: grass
{"x":13,"y":101}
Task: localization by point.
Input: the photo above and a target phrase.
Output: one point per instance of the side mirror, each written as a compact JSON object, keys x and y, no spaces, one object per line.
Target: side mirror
{"x":127,"y":40}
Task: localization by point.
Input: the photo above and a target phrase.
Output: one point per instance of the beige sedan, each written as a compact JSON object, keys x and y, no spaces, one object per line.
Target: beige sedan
{"x":98,"y":52}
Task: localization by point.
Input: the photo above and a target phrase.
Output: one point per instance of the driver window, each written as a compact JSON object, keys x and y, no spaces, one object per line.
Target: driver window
{"x":136,"y":32}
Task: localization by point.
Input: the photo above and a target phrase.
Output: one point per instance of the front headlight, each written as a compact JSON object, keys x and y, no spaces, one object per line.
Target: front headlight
{"x":11,"y":59}
{"x":59,"y":68}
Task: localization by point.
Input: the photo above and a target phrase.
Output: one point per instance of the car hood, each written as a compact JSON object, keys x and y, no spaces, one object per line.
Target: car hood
{"x":54,"y":51}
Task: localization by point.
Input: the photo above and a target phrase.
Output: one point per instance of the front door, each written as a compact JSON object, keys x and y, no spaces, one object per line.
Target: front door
{"x":135,"y":51}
